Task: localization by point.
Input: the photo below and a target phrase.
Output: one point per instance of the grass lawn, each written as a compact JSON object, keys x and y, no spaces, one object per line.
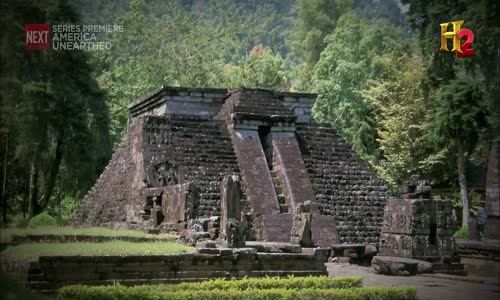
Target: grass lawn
{"x":6,"y":233}
{"x":31,"y":251}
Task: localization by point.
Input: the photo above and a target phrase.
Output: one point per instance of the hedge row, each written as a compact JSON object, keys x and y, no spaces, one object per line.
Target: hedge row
{"x":291,"y":282}
{"x":124,"y":293}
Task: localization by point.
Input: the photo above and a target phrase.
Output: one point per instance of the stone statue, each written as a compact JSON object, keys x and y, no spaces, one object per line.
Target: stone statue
{"x":235,"y":233}
{"x":414,"y":188}
{"x":301,"y":230}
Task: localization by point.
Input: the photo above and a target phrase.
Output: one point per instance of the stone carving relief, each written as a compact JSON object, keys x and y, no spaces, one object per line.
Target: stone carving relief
{"x":163,"y":174}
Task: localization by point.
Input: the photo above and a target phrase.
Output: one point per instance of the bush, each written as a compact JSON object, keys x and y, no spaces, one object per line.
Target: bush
{"x":64,"y":209}
{"x":462,"y":233}
{"x":291,"y":282}
{"x":19,"y":221}
{"x":77,"y":292}
{"x":43,"y":219}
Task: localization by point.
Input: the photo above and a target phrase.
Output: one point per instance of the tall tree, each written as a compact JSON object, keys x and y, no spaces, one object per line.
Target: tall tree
{"x":52,"y":105}
{"x":344,"y":70}
{"x":315,"y":20}
{"x":400,"y":116}
{"x":473,"y":78}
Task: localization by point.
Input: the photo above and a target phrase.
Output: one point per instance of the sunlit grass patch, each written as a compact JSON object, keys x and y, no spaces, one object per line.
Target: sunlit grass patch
{"x":7,"y":233}
{"x":31,"y":251}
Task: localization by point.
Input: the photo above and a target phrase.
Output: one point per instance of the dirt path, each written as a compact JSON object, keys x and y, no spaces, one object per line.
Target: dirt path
{"x":428,"y":286}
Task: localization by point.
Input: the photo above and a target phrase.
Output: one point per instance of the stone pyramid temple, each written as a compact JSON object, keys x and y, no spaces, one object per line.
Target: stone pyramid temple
{"x":198,"y":157}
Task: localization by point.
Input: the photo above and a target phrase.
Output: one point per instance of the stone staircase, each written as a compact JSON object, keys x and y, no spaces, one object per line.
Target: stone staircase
{"x":284,"y":207}
{"x":344,"y":185}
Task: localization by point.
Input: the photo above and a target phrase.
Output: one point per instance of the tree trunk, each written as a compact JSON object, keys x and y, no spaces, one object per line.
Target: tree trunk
{"x":33,"y":187}
{"x":463,"y":185}
{"x":54,"y":170}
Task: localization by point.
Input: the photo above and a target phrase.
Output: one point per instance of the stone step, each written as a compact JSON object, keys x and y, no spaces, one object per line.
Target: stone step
{"x":281,"y":199}
{"x":284,"y":209}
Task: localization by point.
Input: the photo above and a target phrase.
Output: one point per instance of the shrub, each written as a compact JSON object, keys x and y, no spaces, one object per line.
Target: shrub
{"x":77,"y":292}
{"x":43,"y":219}
{"x":19,"y":221}
{"x":462,"y":233}
{"x":64,"y":209}
{"x":291,"y":282}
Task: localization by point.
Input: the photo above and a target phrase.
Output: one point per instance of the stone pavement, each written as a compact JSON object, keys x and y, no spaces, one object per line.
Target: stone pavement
{"x":429,"y":286}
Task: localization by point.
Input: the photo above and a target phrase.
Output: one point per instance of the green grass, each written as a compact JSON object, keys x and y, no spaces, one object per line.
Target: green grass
{"x":7,"y":233}
{"x":31,"y":251}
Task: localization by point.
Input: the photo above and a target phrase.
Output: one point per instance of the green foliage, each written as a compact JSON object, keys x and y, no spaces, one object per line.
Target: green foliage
{"x":290,"y":282}
{"x":63,"y":209}
{"x":460,"y":113}
{"x":170,"y":47}
{"x":401,"y":115}
{"x":19,"y":222}
{"x":462,"y":233}
{"x":345,"y":68}
{"x":52,"y":108}
{"x":316,"y":19}
{"x":264,"y":291}
{"x":43,"y":219}
{"x":260,"y":69}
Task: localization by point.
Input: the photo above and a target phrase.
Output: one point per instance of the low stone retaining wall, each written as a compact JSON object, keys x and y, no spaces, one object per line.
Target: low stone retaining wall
{"x":52,"y":272}
{"x":481,"y":258}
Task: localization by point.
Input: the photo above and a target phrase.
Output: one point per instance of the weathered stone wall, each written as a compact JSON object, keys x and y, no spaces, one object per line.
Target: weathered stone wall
{"x":344,"y":185}
{"x":57,"y":271}
{"x":198,"y":151}
{"x":106,"y":201}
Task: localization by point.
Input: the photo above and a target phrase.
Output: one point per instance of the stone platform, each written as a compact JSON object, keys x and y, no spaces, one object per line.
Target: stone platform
{"x":52,"y":272}
{"x":481,"y":258}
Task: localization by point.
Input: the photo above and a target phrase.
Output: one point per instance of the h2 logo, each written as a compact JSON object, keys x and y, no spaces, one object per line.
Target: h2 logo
{"x":461,"y":50}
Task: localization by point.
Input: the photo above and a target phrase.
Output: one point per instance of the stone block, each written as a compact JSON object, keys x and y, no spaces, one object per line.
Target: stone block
{"x":397,"y":266}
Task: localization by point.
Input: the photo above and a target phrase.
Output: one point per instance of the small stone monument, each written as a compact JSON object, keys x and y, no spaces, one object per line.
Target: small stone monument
{"x":418,"y":227}
{"x":301,"y":230}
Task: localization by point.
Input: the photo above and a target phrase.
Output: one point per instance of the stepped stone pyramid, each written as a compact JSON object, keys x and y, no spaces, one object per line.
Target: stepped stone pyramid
{"x":184,"y":143}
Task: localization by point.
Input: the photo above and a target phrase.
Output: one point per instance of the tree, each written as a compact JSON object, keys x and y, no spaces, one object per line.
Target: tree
{"x":457,"y":122}
{"x":400,"y":116}
{"x":259,"y":69}
{"x":316,"y":19}
{"x":52,"y":107}
{"x":475,"y":78}
{"x":344,"y":70}
{"x":163,"y":45}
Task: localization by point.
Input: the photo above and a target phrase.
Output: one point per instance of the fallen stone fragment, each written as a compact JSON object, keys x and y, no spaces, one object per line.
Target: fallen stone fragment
{"x":397,"y":266}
